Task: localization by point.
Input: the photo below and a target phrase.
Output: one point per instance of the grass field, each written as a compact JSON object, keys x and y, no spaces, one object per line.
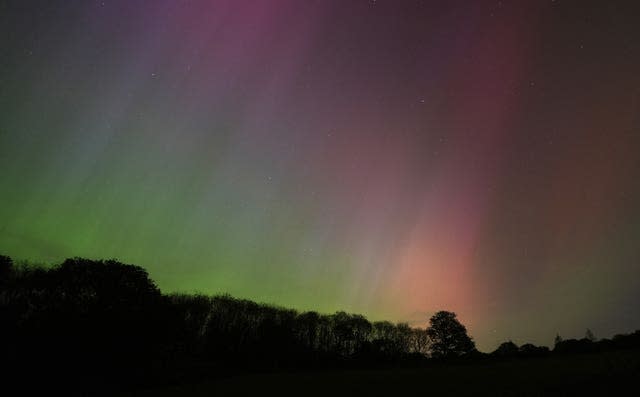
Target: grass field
{"x":604,"y":374}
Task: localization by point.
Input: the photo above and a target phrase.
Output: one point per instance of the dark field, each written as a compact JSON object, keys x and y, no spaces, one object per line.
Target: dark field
{"x":602,"y":374}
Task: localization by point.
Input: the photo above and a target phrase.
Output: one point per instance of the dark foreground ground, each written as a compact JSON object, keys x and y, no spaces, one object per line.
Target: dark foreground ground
{"x":614,"y":373}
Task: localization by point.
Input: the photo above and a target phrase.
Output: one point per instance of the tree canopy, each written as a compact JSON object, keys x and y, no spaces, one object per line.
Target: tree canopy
{"x":448,"y":336}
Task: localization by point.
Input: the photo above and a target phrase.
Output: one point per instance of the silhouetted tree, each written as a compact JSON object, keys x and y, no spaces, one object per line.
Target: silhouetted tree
{"x":557,"y":340}
{"x":307,"y":325}
{"x":574,"y":346}
{"x":93,"y":319}
{"x":6,"y":267}
{"x":589,"y":335}
{"x":193,"y":313}
{"x":448,"y":336}
{"x":530,"y":350}
{"x":350,"y":332}
{"x":506,"y":349}
{"x":402,"y":339}
{"x":419,"y":341}
{"x":622,"y":341}
{"x":382,"y":339}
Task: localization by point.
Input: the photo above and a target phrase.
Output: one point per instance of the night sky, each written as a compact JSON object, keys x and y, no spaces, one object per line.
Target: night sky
{"x":390,"y":158}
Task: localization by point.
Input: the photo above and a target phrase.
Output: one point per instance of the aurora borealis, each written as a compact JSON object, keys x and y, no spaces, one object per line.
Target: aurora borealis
{"x":391,"y":158}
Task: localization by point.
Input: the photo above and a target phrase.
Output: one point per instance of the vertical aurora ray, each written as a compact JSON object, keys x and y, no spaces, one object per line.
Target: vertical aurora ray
{"x":389,"y":158}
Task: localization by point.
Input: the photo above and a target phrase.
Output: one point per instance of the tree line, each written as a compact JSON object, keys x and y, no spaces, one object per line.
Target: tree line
{"x":108,"y":321}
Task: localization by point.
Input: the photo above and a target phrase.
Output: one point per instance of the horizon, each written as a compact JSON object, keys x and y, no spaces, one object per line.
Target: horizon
{"x":385,"y":158}
{"x":25,"y":264}
{"x":421,"y":325}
